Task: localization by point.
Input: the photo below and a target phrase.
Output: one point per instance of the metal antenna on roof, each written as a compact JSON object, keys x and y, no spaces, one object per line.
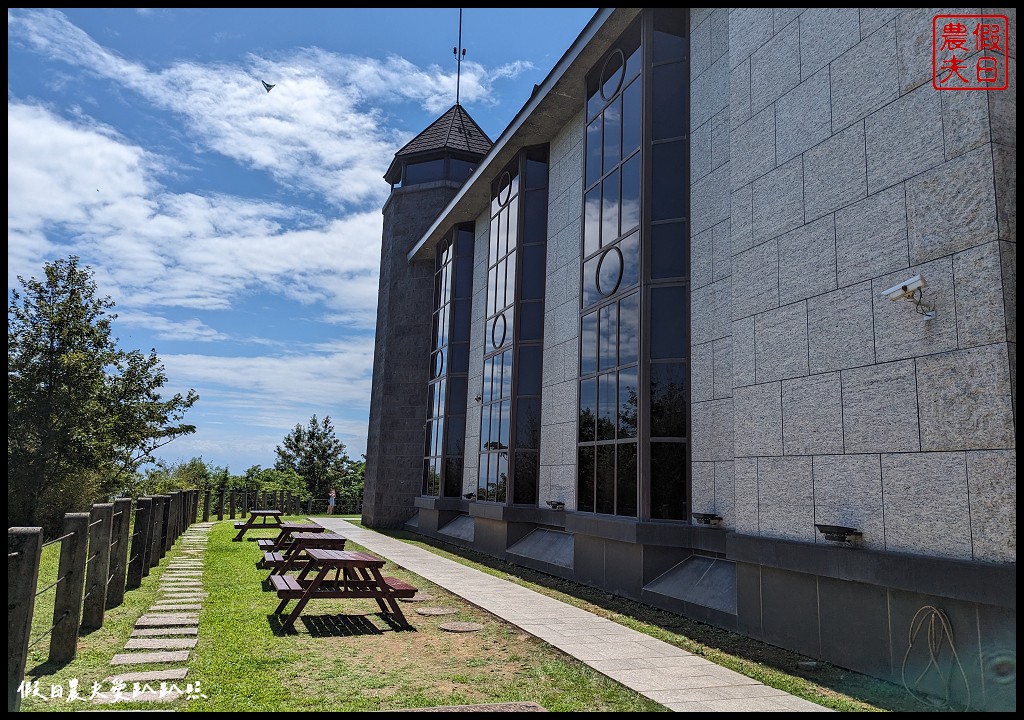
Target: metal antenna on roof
{"x":460,"y":53}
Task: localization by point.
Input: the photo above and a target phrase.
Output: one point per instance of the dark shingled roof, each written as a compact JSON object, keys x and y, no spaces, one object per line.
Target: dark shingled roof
{"x":455,"y":130}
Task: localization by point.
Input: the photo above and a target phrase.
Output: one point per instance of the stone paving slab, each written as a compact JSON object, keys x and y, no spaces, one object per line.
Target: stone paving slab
{"x":149,"y":676}
{"x":155,"y":632}
{"x":166,"y":620}
{"x":175,"y":656}
{"x":161,"y":644}
{"x":177,"y":606}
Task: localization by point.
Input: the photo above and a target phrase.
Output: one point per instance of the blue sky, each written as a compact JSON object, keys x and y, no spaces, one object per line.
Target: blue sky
{"x":238,"y":231}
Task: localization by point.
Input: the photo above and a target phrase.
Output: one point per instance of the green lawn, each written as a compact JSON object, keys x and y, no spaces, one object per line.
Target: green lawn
{"x":342,"y":655}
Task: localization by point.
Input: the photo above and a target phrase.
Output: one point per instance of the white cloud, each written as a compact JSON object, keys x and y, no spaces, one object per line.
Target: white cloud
{"x":151,"y":248}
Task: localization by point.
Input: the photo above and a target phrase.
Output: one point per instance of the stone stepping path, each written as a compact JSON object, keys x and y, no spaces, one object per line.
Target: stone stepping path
{"x":166,"y":634}
{"x":145,"y":658}
{"x":160,"y":644}
{"x":150,"y":632}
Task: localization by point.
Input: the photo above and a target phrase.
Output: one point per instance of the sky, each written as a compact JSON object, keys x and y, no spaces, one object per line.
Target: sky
{"x":238,"y":230}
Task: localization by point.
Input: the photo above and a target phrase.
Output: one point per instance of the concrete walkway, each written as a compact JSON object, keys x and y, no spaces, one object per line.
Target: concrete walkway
{"x":673,"y":677}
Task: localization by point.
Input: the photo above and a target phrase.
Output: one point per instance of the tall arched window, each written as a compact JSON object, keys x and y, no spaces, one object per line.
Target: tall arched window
{"x":633,"y":445}
{"x":449,"y":365}
{"x":514,"y":332}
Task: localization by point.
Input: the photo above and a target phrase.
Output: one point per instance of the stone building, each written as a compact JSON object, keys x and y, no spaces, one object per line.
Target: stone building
{"x":648,"y":339}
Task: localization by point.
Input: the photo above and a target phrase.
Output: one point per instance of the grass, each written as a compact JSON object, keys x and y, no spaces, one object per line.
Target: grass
{"x":344,"y":656}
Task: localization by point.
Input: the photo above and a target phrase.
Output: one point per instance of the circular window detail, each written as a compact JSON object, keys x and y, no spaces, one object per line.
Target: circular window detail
{"x":611,"y":74}
{"x":505,"y":189}
{"x":498,"y":331}
{"x":439,"y":363}
{"x":608,"y":274}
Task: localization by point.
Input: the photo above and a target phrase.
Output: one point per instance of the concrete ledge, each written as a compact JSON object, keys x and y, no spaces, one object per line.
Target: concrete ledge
{"x":986,"y":584}
{"x":517,"y":513}
{"x":441,"y":503}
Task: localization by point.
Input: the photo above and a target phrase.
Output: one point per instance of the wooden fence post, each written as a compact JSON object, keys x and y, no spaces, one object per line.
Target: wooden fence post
{"x":24,"y":545}
{"x":100,"y":527}
{"x":119,"y":552}
{"x":220,"y":504}
{"x":166,"y":539}
{"x":231,"y":503}
{"x":67,"y":604}
{"x":173,"y":512}
{"x":206,"y":505}
{"x":138,"y":566}
{"x":156,"y":535}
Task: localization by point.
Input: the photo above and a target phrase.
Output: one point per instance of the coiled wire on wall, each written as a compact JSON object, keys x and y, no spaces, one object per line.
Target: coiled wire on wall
{"x":939,"y":630}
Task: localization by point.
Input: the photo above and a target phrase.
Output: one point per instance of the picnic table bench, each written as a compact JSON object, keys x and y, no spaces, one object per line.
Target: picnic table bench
{"x":284,"y":537}
{"x":293,"y":556}
{"x":271,"y":518}
{"x":357,"y":575}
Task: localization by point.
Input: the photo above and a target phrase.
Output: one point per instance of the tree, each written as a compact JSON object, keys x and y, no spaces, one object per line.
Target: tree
{"x":263,"y":479}
{"x":82,"y":414}
{"x":315,"y":453}
{"x":350,"y":490}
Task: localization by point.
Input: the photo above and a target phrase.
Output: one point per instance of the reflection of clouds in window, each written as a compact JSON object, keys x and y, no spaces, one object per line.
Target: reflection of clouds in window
{"x":610,"y":209}
{"x":506,"y":375}
{"x":631,"y":118}
{"x":629,"y":329}
{"x":631,"y":193}
{"x":608,"y":324}
{"x":592,"y":221}
{"x":612,"y":121}
{"x":492,"y":255}
{"x":588,"y":344}
{"x":510,"y":281}
{"x":593,"y":171}
{"x":512,"y":236}
{"x":630,"y":249}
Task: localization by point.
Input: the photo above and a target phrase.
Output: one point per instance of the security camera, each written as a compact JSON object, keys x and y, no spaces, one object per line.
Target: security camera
{"x":905,"y":289}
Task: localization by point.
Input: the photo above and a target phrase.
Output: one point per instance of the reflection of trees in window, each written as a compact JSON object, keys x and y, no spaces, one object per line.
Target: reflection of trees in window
{"x":637,"y":114}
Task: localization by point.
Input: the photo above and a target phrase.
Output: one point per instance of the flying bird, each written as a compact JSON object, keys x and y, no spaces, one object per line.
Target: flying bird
{"x":267,"y":85}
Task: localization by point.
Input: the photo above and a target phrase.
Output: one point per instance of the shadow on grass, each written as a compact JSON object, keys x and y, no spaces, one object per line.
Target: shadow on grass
{"x":49,"y":667}
{"x":339,"y":625}
{"x":878,"y":693}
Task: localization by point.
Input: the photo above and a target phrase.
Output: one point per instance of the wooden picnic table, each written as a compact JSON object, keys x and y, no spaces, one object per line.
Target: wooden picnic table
{"x":360,"y":577}
{"x":293,"y":557}
{"x":271,"y":518}
{"x":284,"y":537}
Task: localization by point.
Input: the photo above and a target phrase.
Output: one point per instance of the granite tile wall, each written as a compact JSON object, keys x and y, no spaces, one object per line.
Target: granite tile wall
{"x":561,"y":319}
{"x":715,"y":242}
{"x":849,"y":173}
